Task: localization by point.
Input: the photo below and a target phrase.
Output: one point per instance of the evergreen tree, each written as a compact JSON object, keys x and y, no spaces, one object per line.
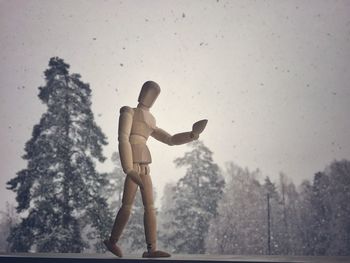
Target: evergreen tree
{"x":241,"y":225}
{"x":283,"y":190}
{"x":293,"y":224}
{"x":325,"y":211}
{"x":114,"y":189}
{"x":307,"y":215}
{"x":339,"y":174}
{"x":58,"y":193}
{"x":196,"y":200}
{"x":331,"y":210}
{"x":277,"y":223}
{"x":321,"y":204}
{"x":165,"y":218}
{"x":8,"y":220}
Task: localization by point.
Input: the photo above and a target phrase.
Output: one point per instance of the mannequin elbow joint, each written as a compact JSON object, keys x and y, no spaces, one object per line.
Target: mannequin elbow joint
{"x":123,"y":138}
{"x":170,"y":142}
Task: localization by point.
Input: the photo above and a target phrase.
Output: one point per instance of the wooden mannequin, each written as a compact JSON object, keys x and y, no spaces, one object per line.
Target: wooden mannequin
{"x":135,"y":126}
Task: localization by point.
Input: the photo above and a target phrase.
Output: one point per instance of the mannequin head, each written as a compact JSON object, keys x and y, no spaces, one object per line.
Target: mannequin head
{"x":149,"y":93}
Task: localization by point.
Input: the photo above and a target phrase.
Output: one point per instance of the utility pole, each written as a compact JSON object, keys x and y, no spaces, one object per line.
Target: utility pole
{"x":268,"y":225}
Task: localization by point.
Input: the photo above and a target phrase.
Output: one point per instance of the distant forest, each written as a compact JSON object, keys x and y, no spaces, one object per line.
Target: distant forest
{"x":65,"y":205}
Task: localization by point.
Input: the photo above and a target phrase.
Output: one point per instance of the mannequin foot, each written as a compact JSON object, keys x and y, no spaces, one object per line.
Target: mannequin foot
{"x":113,"y":247}
{"x":155,"y":254}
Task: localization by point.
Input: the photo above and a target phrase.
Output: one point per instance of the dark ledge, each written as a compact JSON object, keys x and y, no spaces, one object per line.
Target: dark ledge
{"x":109,"y":258}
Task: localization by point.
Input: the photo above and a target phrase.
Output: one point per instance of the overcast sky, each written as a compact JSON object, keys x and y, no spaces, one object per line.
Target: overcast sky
{"x":272,"y":77}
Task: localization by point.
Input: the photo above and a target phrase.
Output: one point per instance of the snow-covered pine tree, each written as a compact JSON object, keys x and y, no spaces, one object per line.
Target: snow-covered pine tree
{"x":8,"y":219}
{"x":339,"y":189}
{"x":277,"y":230}
{"x":307,"y":215}
{"x":240,"y":227}
{"x":114,"y":189}
{"x":331,"y":210}
{"x":322,"y":211}
{"x":291,"y":203}
{"x":165,"y":217}
{"x":196,"y":200}
{"x":325,"y":211}
{"x":58,"y":193}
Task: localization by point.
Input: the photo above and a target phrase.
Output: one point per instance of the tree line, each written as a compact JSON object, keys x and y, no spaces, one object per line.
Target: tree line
{"x":251,"y":215}
{"x":65,"y":205}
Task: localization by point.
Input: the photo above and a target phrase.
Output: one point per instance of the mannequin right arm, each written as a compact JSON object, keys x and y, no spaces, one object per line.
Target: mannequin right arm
{"x":124,"y":129}
{"x":125,"y":151}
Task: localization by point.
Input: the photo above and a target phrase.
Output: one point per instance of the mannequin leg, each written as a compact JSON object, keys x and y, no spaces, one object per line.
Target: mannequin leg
{"x":124,"y":212}
{"x":149,"y":219}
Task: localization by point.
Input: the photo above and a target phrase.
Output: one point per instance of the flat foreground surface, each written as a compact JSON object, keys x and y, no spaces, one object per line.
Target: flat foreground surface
{"x":106,"y":258}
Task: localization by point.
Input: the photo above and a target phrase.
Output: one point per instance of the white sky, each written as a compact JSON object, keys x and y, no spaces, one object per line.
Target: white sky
{"x":272,"y":77}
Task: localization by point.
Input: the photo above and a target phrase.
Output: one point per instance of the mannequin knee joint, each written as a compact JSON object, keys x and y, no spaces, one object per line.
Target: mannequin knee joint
{"x":149,"y":208}
{"x":126,"y":207}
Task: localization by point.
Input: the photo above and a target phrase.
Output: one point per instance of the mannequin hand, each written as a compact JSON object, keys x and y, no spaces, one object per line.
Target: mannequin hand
{"x":198,"y":127}
{"x":136,"y":178}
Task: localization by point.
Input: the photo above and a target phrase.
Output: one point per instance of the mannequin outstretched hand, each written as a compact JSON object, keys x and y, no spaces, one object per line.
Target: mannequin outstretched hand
{"x":198,"y":127}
